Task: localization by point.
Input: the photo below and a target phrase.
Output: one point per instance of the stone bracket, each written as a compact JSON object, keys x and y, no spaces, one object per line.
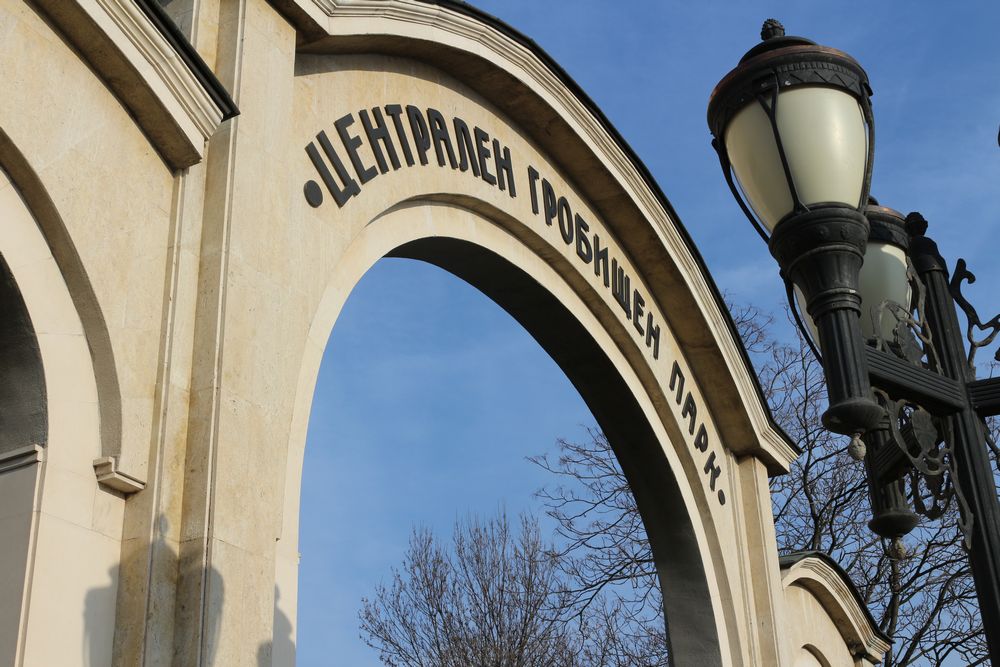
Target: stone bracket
{"x":108,"y":475}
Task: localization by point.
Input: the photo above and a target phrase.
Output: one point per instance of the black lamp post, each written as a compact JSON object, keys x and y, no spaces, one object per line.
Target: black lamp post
{"x":792,"y":125}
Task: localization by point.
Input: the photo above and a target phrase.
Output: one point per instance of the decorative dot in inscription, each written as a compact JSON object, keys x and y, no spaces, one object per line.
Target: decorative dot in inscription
{"x":314,"y":195}
{"x":722,"y":497}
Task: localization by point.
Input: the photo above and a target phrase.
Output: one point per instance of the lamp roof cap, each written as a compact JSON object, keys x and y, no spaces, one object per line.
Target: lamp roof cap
{"x":772,"y":35}
{"x":779,"y":62}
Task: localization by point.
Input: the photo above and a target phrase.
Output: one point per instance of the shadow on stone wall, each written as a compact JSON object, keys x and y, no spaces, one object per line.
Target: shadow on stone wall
{"x":280,"y":651}
{"x":101,"y":607}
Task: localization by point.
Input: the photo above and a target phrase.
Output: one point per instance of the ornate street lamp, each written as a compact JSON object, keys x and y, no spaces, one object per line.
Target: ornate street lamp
{"x":792,"y":125}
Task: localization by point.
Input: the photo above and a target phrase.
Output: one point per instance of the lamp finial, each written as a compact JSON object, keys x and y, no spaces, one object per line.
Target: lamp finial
{"x":772,"y":28}
{"x":916,"y":225}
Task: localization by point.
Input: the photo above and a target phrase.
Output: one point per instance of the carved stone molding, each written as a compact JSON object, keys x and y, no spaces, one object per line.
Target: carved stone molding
{"x":820,"y":575}
{"x":171,"y":100}
{"x":18,"y":458}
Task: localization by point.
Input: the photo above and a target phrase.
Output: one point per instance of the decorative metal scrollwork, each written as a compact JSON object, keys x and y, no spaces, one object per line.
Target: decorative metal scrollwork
{"x":991,"y":442}
{"x":922,"y":437}
{"x":911,"y":338}
{"x":992,"y":327}
{"x":924,"y":440}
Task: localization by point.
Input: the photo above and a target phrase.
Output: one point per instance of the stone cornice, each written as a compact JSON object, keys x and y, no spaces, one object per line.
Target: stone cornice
{"x":23,"y":456}
{"x":168,"y":97}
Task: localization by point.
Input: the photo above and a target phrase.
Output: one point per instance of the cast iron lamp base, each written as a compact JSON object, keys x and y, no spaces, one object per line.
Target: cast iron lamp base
{"x":893,"y":516}
{"x":821,"y":252}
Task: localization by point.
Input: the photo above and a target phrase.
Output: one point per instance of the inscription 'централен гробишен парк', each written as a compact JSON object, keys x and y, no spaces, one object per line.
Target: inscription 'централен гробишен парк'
{"x":398,"y":135}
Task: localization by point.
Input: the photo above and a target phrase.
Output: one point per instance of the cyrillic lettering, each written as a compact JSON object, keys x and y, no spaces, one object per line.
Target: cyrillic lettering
{"x":690,"y":411}
{"x":504,"y":165}
{"x":565,"y":221}
{"x":418,"y":128}
{"x":601,"y":261}
{"x":439,"y":133}
{"x":351,"y":187}
{"x":396,"y":113}
{"x":466,"y":149}
{"x":713,"y":471}
{"x":352,"y":142}
{"x":376,"y":133}
{"x":701,"y":440}
{"x":483,"y":153}
{"x":675,"y":375}
{"x":583,"y":248}
{"x":620,"y":286}
{"x":653,"y":335}
{"x":548,"y":202}
{"x":637,"y":311}
{"x":532,"y":180}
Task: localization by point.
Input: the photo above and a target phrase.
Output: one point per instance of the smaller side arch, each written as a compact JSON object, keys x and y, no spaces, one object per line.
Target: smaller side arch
{"x":827,"y":616}
{"x":50,"y":499}
{"x":810,"y":656}
{"x":19,"y":179}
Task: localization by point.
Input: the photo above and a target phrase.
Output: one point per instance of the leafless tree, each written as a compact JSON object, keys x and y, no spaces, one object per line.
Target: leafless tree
{"x":491,"y":599}
{"x":502,"y":599}
{"x":605,"y":556}
{"x":920,"y":591}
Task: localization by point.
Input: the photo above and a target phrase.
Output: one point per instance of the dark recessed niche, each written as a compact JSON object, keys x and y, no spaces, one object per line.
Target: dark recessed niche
{"x":23,"y":414}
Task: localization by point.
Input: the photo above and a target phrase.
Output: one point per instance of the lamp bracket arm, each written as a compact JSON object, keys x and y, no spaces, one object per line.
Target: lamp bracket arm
{"x":991,"y":328}
{"x":925,"y":441}
{"x":985,"y":396}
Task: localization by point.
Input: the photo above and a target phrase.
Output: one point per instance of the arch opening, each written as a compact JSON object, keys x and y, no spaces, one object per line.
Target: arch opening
{"x":429,"y":401}
{"x":680,"y":561}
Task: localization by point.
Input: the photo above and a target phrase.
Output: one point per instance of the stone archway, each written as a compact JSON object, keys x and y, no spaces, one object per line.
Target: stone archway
{"x":201,"y":259}
{"x":478,"y":250}
{"x":365,"y":160}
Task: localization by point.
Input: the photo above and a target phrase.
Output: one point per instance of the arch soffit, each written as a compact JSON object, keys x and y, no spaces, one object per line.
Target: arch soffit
{"x":513,"y":74}
{"x":477,"y":223}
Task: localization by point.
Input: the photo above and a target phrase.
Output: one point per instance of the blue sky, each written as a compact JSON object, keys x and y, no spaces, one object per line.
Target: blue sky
{"x":433,"y":417}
